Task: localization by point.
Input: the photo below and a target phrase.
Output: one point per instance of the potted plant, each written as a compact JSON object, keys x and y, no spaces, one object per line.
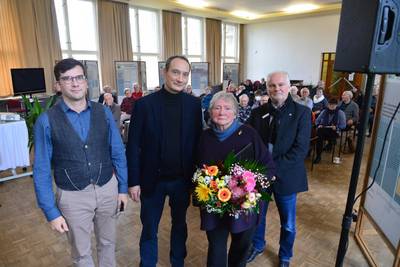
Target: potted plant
{"x":33,"y":111}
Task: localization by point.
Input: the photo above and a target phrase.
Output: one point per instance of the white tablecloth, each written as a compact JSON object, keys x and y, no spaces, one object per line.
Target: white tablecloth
{"x":14,"y":151}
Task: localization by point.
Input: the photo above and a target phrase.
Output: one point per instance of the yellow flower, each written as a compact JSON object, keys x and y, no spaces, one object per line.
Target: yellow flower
{"x":211,"y":170}
{"x":224,"y":194}
{"x":203,"y":192}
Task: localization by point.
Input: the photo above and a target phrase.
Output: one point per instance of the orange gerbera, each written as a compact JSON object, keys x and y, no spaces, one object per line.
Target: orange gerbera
{"x":213,"y":185}
{"x":224,"y":194}
{"x":211,"y":170}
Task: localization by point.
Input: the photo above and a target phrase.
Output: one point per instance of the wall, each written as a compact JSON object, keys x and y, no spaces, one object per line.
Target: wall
{"x":292,"y":45}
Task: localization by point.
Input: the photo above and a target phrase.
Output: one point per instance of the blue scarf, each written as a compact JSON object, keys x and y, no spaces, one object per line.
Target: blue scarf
{"x":222,"y":135}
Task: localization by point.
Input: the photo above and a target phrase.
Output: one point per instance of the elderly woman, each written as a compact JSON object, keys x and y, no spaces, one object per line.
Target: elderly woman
{"x":305,"y":99}
{"x":226,"y":135}
{"x":319,"y":101}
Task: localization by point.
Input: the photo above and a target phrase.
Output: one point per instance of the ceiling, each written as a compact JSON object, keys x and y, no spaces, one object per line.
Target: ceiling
{"x":261,"y":10}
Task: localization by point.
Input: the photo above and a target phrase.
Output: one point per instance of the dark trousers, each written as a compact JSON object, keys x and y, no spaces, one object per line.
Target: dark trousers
{"x":150,"y":215}
{"x":217,"y":247}
{"x":324,"y":134}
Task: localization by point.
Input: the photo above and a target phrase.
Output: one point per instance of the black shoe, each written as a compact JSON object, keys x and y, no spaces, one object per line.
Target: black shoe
{"x":253,"y":254}
{"x":317,"y":160}
{"x":284,"y":263}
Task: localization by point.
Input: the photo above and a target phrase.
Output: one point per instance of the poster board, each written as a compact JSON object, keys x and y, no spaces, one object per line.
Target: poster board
{"x":381,"y":203}
{"x":126,"y":73}
{"x":161,"y":66}
{"x":93,"y":78}
{"x":200,"y":77}
{"x":230,"y":72}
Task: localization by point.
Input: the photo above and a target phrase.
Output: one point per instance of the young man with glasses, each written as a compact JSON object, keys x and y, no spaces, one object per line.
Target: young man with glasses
{"x":79,"y":141}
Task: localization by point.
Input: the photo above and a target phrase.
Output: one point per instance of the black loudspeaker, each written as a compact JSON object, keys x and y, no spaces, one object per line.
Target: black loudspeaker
{"x":369,"y":37}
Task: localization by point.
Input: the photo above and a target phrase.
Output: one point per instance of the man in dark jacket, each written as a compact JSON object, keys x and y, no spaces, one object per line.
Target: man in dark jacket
{"x":163,"y":137}
{"x":285,"y":128}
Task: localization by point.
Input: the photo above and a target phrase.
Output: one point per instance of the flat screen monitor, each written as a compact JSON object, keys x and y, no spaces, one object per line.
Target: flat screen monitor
{"x":28,"y":81}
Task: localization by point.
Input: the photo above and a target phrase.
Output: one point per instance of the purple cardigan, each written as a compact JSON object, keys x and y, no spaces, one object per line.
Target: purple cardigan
{"x":211,"y":150}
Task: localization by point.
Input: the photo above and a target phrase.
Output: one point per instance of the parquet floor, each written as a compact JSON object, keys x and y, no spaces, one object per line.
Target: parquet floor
{"x":27,"y":240}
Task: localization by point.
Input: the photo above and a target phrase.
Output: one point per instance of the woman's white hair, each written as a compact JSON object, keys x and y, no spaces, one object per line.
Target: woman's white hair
{"x":228,"y":97}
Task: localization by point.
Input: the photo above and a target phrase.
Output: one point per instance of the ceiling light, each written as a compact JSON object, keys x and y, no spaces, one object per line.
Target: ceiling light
{"x":300,"y":8}
{"x":193,"y":3}
{"x":244,"y":14}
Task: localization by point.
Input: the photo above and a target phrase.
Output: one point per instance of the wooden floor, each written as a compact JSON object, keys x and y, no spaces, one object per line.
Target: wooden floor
{"x":27,"y":240}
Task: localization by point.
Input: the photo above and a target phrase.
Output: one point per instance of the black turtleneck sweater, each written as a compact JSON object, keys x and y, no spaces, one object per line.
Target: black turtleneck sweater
{"x":171,"y":162}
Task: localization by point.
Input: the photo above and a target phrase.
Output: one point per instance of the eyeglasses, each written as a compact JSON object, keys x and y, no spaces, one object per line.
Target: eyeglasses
{"x":70,"y":79}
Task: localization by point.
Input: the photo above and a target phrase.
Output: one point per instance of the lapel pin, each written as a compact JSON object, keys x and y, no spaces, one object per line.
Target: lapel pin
{"x":240,"y":132}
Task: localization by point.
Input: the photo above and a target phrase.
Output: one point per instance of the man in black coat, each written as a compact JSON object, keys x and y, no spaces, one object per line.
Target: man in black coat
{"x":285,"y":128}
{"x":163,"y":136}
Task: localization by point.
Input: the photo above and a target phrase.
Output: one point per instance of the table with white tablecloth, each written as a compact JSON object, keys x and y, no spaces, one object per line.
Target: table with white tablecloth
{"x":14,"y":150}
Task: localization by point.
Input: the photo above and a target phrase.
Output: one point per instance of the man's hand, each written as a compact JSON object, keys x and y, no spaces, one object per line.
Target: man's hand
{"x":59,"y":224}
{"x":134,"y":193}
{"x":334,"y":127}
{"x":122,"y":198}
{"x":350,"y":122}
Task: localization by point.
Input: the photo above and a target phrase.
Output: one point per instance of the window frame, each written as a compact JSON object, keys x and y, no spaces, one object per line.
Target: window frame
{"x":137,"y":56}
{"x":69,"y":52}
{"x":202,"y":56}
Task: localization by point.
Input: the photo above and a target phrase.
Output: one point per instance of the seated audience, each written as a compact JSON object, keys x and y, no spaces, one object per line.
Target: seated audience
{"x":244,"y":108}
{"x":293,"y":93}
{"x":351,"y":110}
{"x":137,"y":92}
{"x":127,"y":105}
{"x":319,"y":102}
{"x":305,"y":99}
{"x":330,"y":121}
{"x":320,"y":85}
{"x":263,"y":85}
{"x":107,"y":89}
{"x":188,"y":89}
{"x":115,"y":108}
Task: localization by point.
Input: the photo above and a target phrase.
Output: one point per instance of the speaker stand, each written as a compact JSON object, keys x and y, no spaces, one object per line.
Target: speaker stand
{"x":348,"y":215}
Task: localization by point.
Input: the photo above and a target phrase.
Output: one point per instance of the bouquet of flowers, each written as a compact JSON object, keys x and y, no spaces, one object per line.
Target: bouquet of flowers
{"x":233,"y":189}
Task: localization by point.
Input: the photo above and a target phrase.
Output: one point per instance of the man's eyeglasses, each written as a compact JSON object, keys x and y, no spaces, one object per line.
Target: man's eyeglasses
{"x":70,"y":79}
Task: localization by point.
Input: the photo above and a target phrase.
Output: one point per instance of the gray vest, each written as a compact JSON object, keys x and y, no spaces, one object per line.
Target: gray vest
{"x":78,"y":163}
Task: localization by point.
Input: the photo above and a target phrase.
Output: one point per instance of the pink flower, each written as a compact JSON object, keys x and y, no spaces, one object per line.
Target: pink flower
{"x":250,"y":183}
{"x":237,"y":192}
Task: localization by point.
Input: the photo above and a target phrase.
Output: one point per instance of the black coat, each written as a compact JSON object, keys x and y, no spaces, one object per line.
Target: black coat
{"x":291,"y":146}
{"x":143,"y":150}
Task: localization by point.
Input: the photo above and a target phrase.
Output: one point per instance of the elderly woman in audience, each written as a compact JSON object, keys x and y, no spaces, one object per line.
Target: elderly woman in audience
{"x":137,"y":92}
{"x":319,"y":102}
{"x":305,"y":99}
{"x":127,"y":105}
{"x":227,"y":135}
{"x":244,"y":108}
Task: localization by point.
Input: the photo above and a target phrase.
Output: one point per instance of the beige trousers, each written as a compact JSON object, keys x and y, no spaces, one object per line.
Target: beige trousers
{"x":93,"y":207}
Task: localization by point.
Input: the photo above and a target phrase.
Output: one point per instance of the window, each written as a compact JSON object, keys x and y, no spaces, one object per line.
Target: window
{"x":193,"y":38}
{"x":230,"y":44}
{"x":145,"y":34}
{"x":77,"y":25}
